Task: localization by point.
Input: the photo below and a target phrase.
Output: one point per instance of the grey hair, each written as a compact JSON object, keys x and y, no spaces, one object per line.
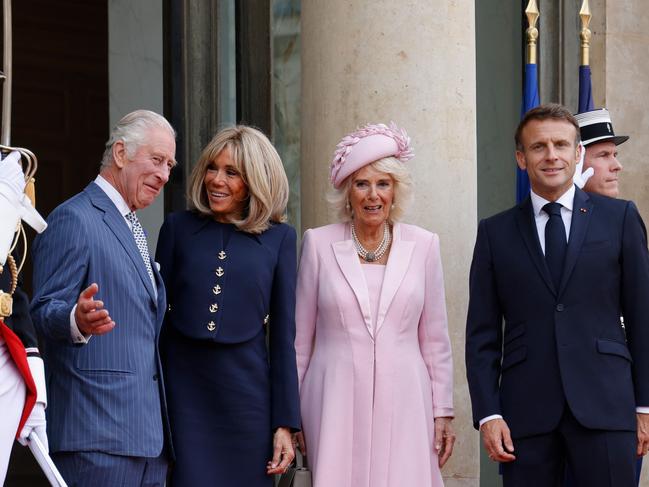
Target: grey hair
{"x":403,"y":190}
{"x":132,"y":129}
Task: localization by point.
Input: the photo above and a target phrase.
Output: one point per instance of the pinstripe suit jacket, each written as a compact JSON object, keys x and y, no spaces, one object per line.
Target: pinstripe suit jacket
{"x":107,"y":395}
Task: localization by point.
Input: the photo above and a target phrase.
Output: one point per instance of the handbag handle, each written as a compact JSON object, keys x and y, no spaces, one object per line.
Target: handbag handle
{"x":288,"y":477}
{"x":301,"y":459}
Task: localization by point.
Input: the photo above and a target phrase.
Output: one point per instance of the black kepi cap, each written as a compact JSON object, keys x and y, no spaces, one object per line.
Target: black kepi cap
{"x":596,"y":126}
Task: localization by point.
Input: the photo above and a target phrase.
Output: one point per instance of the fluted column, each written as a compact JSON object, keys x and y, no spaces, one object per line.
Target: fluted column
{"x":413,"y":63}
{"x":625,"y":73}
{"x":621,"y":82}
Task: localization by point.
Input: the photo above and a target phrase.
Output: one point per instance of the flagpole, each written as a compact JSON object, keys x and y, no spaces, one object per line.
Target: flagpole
{"x":586,"y":102}
{"x":6,"y":74}
{"x":585,"y":34}
{"x":532,"y":33}
{"x":530,"y":87}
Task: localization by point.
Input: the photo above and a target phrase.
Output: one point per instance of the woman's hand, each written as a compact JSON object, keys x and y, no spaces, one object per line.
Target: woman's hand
{"x":298,"y":440}
{"x":444,"y":439}
{"x":282,"y":450}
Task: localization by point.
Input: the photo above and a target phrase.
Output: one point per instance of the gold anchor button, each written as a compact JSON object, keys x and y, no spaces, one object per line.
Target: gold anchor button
{"x":216,"y":289}
{"x":214,"y":308}
{"x":266,"y":319}
{"x":222,"y":255}
{"x":211,"y":326}
{"x":220,"y":272}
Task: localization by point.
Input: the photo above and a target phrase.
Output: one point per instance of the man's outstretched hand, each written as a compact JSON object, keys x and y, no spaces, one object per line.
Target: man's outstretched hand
{"x":90,"y":315}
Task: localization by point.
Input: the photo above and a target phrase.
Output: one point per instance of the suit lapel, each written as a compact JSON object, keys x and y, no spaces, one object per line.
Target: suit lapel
{"x":395,"y":270}
{"x":116,"y":223}
{"x":351,"y":268}
{"x":527,"y":227}
{"x":581,"y":211}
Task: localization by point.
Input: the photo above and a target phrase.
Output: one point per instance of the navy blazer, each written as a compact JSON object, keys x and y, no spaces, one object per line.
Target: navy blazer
{"x":108,"y":394}
{"x":560,"y":346}
{"x":227,"y":286}
{"x":20,"y":321}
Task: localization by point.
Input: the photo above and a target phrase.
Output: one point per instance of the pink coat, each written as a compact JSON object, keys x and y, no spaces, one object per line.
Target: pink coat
{"x":369,"y":397}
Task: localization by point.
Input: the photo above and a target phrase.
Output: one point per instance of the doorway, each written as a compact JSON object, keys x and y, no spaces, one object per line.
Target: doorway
{"x":60,"y":112}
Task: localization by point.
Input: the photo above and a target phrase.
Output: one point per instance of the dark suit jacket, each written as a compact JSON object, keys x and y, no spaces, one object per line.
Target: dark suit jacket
{"x":561,"y":346}
{"x":256,"y":288}
{"x":107,"y":395}
{"x":20,"y":321}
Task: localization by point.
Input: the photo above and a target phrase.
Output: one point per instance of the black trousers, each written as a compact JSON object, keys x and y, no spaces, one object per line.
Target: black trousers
{"x":596,"y":458}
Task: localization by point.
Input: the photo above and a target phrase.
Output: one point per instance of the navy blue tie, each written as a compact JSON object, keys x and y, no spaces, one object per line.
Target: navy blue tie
{"x":555,"y":242}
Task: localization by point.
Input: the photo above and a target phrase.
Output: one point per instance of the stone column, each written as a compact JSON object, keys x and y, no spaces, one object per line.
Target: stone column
{"x":626,"y":88}
{"x":621,"y":83}
{"x":413,"y":63}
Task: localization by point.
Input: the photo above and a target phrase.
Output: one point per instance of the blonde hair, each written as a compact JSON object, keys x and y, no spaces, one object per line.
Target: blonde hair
{"x":338,"y":198}
{"x":261,"y":170}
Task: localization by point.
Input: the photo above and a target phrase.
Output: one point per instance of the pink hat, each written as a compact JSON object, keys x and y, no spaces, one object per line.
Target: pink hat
{"x":366,"y":145}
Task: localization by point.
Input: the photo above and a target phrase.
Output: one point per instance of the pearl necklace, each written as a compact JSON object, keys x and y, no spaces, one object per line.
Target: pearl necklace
{"x":368,"y":255}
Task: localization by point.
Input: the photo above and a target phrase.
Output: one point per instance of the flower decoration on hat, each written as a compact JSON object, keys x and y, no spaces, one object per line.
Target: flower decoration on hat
{"x":366,"y":145}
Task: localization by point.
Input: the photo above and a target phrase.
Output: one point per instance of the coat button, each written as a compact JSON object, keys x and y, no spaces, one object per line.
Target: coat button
{"x":559,"y":307}
{"x":155,"y":377}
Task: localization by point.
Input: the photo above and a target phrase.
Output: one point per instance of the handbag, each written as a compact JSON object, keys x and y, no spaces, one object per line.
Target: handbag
{"x":297,"y":475}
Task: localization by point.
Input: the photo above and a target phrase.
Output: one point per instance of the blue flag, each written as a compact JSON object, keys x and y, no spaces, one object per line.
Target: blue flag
{"x":585,"y":90}
{"x":530,"y":100}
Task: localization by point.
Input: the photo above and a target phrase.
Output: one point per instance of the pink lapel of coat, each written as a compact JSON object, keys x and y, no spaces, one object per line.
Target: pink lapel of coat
{"x":351,"y":269}
{"x":395,"y":270}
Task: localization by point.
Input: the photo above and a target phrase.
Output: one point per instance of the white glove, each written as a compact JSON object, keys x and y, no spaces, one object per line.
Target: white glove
{"x":580,"y":178}
{"x":14,"y":204}
{"x":36,"y":420}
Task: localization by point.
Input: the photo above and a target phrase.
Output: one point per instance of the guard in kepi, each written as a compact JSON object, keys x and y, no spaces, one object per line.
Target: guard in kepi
{"x":22,"y":379}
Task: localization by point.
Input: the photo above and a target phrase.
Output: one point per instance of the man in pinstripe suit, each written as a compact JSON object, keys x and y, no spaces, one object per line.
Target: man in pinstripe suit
{"x":99,"y":303}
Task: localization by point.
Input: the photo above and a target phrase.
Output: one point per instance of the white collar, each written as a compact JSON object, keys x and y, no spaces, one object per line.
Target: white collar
{"x":566,"y":200}
{"x":113,"y":194}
